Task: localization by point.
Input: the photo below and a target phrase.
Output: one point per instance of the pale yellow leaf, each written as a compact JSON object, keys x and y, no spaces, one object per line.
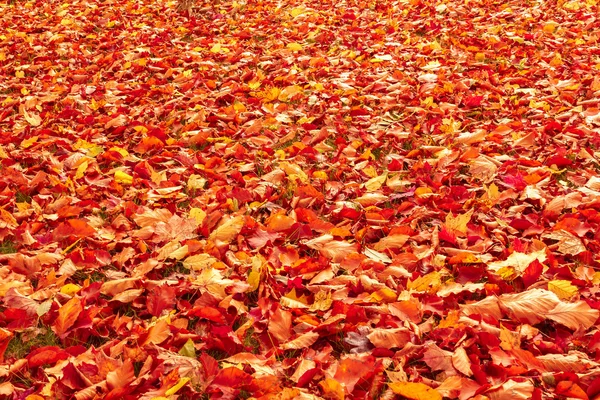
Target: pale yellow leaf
{"x":32,"y":119}
{"x":198,"y":215}
{"x":375,"y":183}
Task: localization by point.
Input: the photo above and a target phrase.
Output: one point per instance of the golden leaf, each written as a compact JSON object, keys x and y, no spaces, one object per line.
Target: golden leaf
{"x":123,"y":178}
{"x":228,"y":230}
{"x":509,"y":340}
{"x":322,"y":301}
{"x":294,"y":46}
{"x":332,"y":389}
{"x":427,"y":283}
{"x":291,"y":300}
{"x":415,"y":391}
{"x":458,"y":223}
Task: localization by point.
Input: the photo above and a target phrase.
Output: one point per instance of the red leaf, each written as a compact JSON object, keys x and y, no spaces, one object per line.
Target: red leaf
{"x":159,"y":299}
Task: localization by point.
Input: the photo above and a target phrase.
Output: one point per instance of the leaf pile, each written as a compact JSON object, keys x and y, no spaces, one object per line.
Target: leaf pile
{"x":299,"y":200}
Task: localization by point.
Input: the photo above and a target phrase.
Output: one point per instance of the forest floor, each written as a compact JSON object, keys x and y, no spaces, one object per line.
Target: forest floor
{"x":300,"y":199}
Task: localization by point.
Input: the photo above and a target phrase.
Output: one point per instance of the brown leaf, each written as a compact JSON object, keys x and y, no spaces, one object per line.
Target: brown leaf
{"x":578,"y":315}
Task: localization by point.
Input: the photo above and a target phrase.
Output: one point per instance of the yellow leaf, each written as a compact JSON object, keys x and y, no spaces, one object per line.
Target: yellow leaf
{"x":294,"y":46}
{"x":374,"y":184}
{"x":458,"y":223}
{"x":70,"y":289}
{"x":254,"y":280}
{"x":29,"y":142}
{"x":507,"y":273}
{"x":188,"y":349}
{"x":81,"y":169}
{"x":562,"y":288}
{"x":123,"y":178}
{"x":197,"y":214}
{"x":253,"y":85}
{"x":322,"y":301}
{"x":20,"y":74}
{"x":479,"y":57}
{"x":216,"y":48}
{"x":177,"y":386}
{"x":415,"y":391}
{"x":196,"y":182}
{"x":428,"y":283}
{"x":297,"y":11}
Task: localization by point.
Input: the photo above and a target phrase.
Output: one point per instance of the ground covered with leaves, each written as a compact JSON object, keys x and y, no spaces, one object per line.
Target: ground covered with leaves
{"x":299,"y":199}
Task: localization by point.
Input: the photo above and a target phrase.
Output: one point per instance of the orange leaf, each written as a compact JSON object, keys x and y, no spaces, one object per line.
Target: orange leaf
{"x":351,"y":370}
{"x":279,"y":222}
{"x":67,"y":315}
{"x":157,"y":333}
